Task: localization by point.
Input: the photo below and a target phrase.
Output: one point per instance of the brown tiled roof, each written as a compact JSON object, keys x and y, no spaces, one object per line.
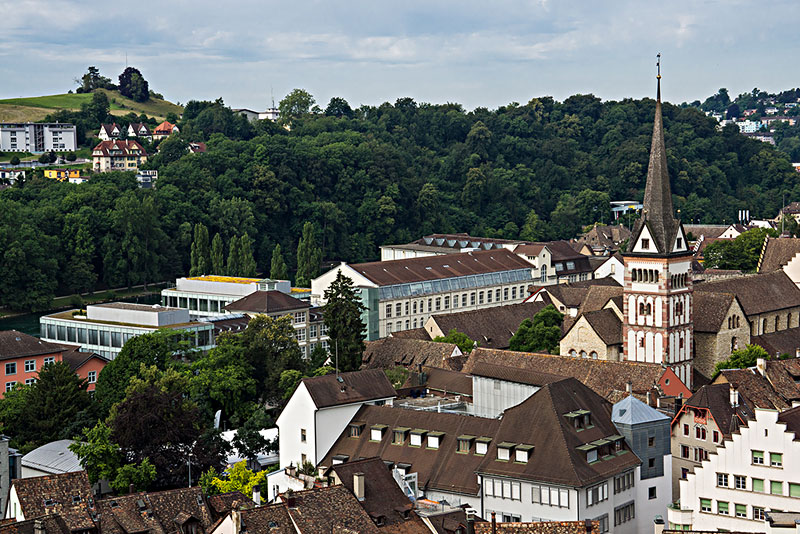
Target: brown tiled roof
{"x":605,"y":235}
{"x":777,"y":253}
{"x":448,"y":522}
{"x":716,"y":399}
{"x":385,"y":273}
{"x":138,"y":126}
{"x":756,"y":389}
{"x":792,"y":419}
{"x":160,"y":512}
{"x":709,"y":310}
{"x":267,"y":302}
{"x":356,"y":386}
{"x":15,"y":344}
{"x":441,"y":380}
{"x":223,"y":503}
{"x":607,"y":324}
{"x":52,"y":524}
{"x":780,"y":342}
{"x":490,"y":327}
{"x":759,"y":293}
{"x":705,"y":230}
{"x":390,"y":352}
{"x":54,"y":494}
{"x":513,"y":374}
{"x":542,"y":527}
{"x":76,"y":359}
{"x":413,"y":333}
{"x":441,"y":469}
{"x":382,"y":496}
{"x":331,"y":509}
{"x":271,"y":519}
{"x":573,"y":294}
{"x":598,"y":296}
{"x":165,"y":128}
{"x":540,"y":421}
{"x":603,"y":376}
{"x":784,"y":376}
{"x":123,"y":147}
{"x":529,"y":250}
{"x":463,"y":240}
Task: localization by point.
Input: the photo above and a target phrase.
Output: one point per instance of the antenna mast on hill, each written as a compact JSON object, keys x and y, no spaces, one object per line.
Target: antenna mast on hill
{"x":272,"y":96}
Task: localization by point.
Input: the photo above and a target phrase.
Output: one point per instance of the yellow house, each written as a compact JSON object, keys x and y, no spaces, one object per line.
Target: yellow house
{"x":63,"y":174}
{"x":118,"y":156}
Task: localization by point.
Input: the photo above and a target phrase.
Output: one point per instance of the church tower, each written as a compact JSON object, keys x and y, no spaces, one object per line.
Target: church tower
{"x":657,"y":323}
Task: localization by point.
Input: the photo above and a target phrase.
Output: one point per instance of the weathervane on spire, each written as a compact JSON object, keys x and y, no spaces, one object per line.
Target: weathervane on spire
{"x":658,"y":65}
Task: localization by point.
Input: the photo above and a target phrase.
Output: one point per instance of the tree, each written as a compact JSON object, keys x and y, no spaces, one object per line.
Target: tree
{"x":247,"y":264}
{"x":44,"y":158}
{"x":338,"y":107}
{"x":465,"y":344}
{"x":294,"y":105}
{"x":217,"y":256}
{"x":47,"y":407}
{"x":172,"y":149}
{"x":533,"y":229}
{"x":741,"y":253}
{"x":278,"y":270}
{"x":342,"y":315}
{"x":742,"y":358}
{"x":71,"y":156}
{"x":92,"y":80}
{"x":234,"y":257}
{"x":239,"y":478}
{"x":540,"y":335}
{"x":97,"y":109}
{"x":309,"y":256}
{"x":201,"y":254}
{"x":14,"y":160}
{"x":223,"y":380}
{"x":133,"y":85}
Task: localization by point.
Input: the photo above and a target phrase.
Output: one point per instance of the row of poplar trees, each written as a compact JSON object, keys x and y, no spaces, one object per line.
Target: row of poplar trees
{"x":211,"y":259}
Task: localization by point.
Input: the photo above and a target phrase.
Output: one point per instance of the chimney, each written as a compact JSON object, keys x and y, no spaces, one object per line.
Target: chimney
{"x":587,"y":524}
{"x":761,"y":365}
{"x":629,"y":387}
{"x":291,"y":500}
{"x":131,"y":489}
{"x":38,"y":527}
{"x":291,"y":470}
{"x":358,"y":486}
{"x":734,"y":393}
{"x":470,"y":521}
{"x":236,"y":518}
{"x":257,"y":495}
{"x":658,"y":525}
{"x":494,"y":523}
{"x":649,"y":399}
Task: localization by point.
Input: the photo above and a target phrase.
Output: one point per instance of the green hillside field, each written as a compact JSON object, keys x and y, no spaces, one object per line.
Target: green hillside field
{"x":35,"y":108}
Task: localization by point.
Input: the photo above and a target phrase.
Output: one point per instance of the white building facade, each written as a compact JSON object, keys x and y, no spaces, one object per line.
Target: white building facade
{"x":756,"y":471}
{"x":37,"y":137}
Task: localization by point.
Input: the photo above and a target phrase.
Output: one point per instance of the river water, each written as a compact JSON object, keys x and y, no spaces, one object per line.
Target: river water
{"x":29,"y":323}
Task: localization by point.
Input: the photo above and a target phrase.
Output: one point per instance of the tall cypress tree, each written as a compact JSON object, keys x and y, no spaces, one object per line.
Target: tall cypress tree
{"x":201,"y":254}
{"x":233,"y":257}
{"x":342,"y":315}
{"x":217,"y":255}
{"x":278,"y":270}
{"x":309,"y":256}
{"x":247,"y":263}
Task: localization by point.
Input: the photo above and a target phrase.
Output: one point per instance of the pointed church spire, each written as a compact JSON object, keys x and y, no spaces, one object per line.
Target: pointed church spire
{"x":658,"y":212}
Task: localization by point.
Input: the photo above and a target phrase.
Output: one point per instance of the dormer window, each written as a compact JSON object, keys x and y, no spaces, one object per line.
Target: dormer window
{"x":434,"y":439}
{"x":376,"y":432}
{"x":645,"y":244}
{"x":680,"y":243}
{"x":416,"y":437}
{"x":399,"y":435}
{"x":464,"y":443}
{"x":504,"y":451}
{"x":482,"y":446}
{"x":522,"y":453}
{"x":355,"y":429}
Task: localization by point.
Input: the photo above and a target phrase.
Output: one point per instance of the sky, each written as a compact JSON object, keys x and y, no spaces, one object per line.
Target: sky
{"x":476,"y":53}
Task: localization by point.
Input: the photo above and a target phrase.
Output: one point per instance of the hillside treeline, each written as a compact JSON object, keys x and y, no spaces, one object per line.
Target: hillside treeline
{"x":371,"y":176}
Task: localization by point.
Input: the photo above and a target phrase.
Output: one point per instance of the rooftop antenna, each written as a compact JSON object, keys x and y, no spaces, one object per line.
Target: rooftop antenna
{"x":272,"y":96}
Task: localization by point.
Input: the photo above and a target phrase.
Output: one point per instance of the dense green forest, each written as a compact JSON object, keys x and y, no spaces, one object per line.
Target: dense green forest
{"x":370,"y":176}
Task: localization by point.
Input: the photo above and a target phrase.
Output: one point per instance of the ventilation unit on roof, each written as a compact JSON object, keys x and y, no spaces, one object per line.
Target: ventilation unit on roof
{"x":340,"y":379}
{"x":428,"y":268}
{"x":446,"y":266}
{"x":199,"y":500}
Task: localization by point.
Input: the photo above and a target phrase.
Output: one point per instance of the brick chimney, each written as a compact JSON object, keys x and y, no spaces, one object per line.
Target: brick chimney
{"x":38,"y":527}
{"x":734,"y":394}
{"x":358,"y":486}
{"x":761,"y":365}
{"x":494,"y":523}
{"x":257,"y":495}
{"x":470,"y":521}
{"x":629,"y":387}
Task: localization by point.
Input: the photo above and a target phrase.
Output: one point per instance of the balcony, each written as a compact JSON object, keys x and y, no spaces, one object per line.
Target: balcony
{"x":678,"y":516}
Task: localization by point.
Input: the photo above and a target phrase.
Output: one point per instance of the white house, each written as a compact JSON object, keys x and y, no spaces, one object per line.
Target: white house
{"x":755,"y":472}
{"x":613,"y":267}
{"x":37,"y":137}
{"x":320,"y":409}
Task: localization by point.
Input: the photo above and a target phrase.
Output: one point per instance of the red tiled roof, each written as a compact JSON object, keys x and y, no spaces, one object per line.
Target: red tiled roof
{"x":120,"y":147}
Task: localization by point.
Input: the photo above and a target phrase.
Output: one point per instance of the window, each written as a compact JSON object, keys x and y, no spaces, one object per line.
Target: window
{"x":399,"y":437}
{"x":758,"y":485}
{"x":480,"y":297}
{"x":503,"y":453}
{"x":447,"y":303}
{"x":651,"y":441}
{"x":596,"y":494}
{"x":10,"y":385}
{"x":489,"y":296}
{"x":776,"y":487}
{"x":505,"y":293}
{"x":722,"y":480}
{"x":624,"y":513}
{"x":775,"y":459}
{"x":463,"y":445}
{"x":684,"y":473}
{"x":758,"y":457}
{"x":741,"y":510}
{"x":651,"y":463}
{"x":414,"y":307}
{"x":602,"y":523}
{"x":758,"y":513}
{"x":513,"y":293}
{"x":794,"y":490}
{"x":11,"y":368}
{"x":416,"y":440}
{"x":49,"y":359}
{"x":739,"y":482}
{"x":705,"y":505}
{"x":406,"y":307}
{"x":722,"y":508}
{"x":92,"y":376}
{"x":29,"y":381}
{"x":645,"y":244}
{"x":715,"y":436}
{"x":30,"y":366}
{"x":623,"y":482}
{"x":398,"y":309}
{"x":700,"y":432}
{"x":651,"y":493}
{"x":299,"y":317}
{"x":685,"y":429}
{"x":463,"y":300}
{"x":313,"y":332}
{"x":388,"y":310}
{"x":472,"y":299}
{"x":481,"y":447}
{"x":302,"y":435}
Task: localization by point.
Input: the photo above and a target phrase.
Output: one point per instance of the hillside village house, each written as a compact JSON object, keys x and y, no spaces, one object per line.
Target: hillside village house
{"x":164,"y":130}
{"x":104,"y":328}
{"x":37,"y":137}
{"x":754,"y":473}
{"x":109,"y":132}
{"x":403,"y":294}
{"x":118,"y":156}
{"x":11,"y":175}
{"x":73,"y":176}
{"x":139,"y":129}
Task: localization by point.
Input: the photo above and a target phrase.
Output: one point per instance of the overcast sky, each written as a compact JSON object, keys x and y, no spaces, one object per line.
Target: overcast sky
{"x":477,"y":53}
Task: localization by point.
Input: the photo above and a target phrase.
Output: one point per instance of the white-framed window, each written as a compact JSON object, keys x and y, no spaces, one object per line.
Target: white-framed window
{"x":313,"y":332}
{"x":416,"y":440}
{"x":92,"y":377}
{"x":30,"y":366}
{"x":10,"y":385}
{"x":739,"y":482}
{"x":722,"y":480}
{"x":624,"y":513}
{"x":758,"y":513}
{"x":11,"y":368}
{"x":301,"y":334}
{"x":603,"y":523}
{"x":503,"y":453}
{"x":30,"y":381}
{"x":776,"y":459}
{"x":597,"y":493}
{"x":481,"y":447}
{"x":49,"y":359}
{"x":299,"y":317}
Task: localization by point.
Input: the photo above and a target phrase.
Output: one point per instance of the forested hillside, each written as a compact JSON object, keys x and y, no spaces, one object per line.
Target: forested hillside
{"x":370,"y":176}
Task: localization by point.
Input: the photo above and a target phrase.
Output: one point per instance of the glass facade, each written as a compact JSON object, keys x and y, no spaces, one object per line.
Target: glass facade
{"x":453,"y":284}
